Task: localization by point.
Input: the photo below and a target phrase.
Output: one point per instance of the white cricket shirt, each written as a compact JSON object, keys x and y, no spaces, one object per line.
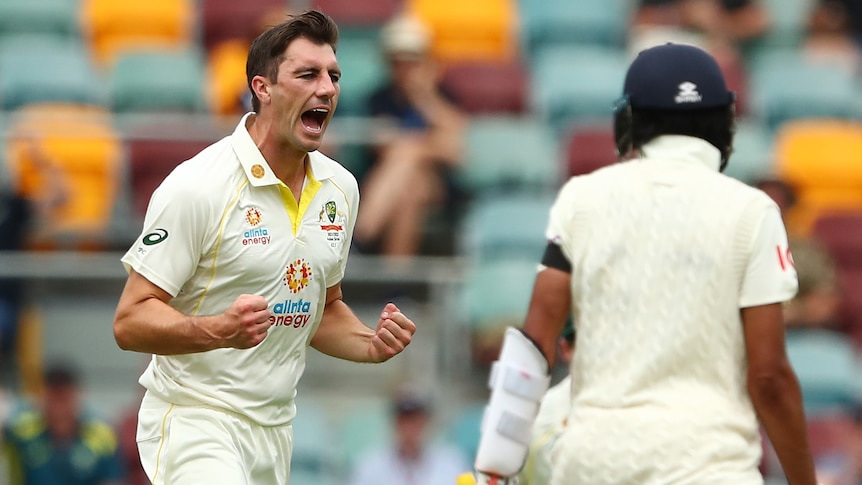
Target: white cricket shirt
{"x":220,"y":225}
{"x":665,"y":251}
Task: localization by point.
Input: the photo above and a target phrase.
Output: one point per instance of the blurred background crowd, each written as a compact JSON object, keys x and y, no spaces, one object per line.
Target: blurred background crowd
{"x":460,"y":120}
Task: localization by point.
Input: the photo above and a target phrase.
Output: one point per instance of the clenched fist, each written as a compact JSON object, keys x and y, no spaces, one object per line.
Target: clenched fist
{"x":393,"y":333}
{"x":244,"y":324}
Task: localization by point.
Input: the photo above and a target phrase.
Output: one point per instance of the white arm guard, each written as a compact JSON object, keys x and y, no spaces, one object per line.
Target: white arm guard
{"x":519,"y":379}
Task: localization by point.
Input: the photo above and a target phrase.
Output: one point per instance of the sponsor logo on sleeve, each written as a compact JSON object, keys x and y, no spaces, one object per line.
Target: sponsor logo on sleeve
{"x":785,"y":258}
{"x":155,"y":237}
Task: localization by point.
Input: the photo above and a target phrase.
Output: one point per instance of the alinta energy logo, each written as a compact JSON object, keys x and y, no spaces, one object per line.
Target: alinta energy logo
{"x":257,"y":236}
{"x":253,"y":216}
{"x":297,"y":275}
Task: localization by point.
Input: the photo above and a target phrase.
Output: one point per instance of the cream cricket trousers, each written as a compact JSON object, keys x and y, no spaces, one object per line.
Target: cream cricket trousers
{"x":202,"y":445}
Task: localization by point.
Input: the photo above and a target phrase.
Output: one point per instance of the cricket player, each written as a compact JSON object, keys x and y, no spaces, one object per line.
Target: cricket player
{"x":238,"y":271}
{"x":675,"y":275}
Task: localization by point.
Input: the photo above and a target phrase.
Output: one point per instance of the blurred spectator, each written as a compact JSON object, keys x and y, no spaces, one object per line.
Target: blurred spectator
{"x":709,"y":21}
{"x":56,"y":442}
{"x":853,"y":10}
{"x":411,"y":459}
{"x":15,"y":216}
{"x":817,"y":303}
{"x":721,"y":27}
{"x":830,"y":37}
{"x":411,"y":170}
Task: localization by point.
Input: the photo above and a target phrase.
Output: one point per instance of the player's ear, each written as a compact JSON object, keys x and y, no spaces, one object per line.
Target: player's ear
{"x":262,"y":89}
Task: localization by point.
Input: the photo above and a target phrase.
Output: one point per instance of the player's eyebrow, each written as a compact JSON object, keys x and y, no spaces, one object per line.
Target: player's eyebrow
{"x":314,"y":70}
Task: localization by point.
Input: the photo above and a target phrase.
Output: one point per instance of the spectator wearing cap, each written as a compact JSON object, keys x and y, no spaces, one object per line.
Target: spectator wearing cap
{"x":410,"y":458}
{"x":57,"y":442}
{"x":410,"y":171}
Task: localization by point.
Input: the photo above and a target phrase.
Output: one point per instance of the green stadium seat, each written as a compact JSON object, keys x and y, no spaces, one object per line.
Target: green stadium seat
{"x":365,"y":427}
{"x":509,"y":226}
{"x":363,"y":69}
{"x":158,"y":80}
{"x":39,"y":68}
{"x":497,"y":293}
{"x":828,"y":370}
{"x":503,"y":153}
{"x":312,"y":462}
{"x":788,"y":24}
{"x":576,"y":84}
{"x":54,"y":17}
{"x":545,"y":22}
{"x":786,"y":86}
{"x":752,"y":155}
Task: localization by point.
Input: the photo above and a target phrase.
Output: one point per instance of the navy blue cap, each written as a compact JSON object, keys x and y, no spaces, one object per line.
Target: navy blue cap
{"x":676,"y":77}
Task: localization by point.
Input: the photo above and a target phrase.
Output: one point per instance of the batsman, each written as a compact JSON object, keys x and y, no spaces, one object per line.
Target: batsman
{"x":673,"y":274}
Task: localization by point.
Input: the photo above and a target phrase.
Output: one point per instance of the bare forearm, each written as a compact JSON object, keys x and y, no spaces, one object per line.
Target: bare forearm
{"x":154,"y":327}
{"x":342,"y":334}
{"x":778,"y":402}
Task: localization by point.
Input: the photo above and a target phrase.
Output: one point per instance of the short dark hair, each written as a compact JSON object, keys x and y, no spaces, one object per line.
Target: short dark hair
{"x":715,"y":125}
{"x":267,"y":50}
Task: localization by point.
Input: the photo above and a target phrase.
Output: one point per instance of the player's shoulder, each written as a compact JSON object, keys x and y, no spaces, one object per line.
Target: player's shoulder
{"x":205,"y":174}
{"x":343,"y":177}
{"x":751,"y":197}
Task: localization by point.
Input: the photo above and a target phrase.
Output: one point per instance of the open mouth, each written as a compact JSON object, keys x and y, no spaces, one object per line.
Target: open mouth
{"x":313,"y":119}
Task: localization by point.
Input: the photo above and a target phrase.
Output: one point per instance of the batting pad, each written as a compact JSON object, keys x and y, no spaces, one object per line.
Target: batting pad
{"x":519,"y":379}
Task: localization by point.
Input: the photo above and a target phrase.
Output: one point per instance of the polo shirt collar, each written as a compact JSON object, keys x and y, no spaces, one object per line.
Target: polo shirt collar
{"x":684,"y":149}
{"x":255,"y":166}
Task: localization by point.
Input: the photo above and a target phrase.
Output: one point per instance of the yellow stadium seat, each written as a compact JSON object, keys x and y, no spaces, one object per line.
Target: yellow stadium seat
{"x":78,"y":148}
{"x":820,"y":158}
{"x":226,"y":72}
{"x":113,"y":26}
{"x":474,"y":30}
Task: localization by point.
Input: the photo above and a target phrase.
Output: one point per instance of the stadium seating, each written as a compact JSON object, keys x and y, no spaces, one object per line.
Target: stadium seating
{"x":576,"y":84}
{"x":786,"y":86}
{"x":503,"y":153}
{"x":505,"y":226}
{"x":841,"y":235}
{"x":851,"y":303}
{"x":752,"y":157}
{"x":820,"y":159}
{"x":788,"y":24}
{"x":47,"y":17}
{"x":39,"y":68}
{"x":226,"y":74}
{"x":352,"y":14}
{"x":112,"y":27}
{"x":151,"y":159}
{"x":482,"y":87}
{"x":363,"y":428}
{"x":158,"y":80}
{"x":312,"y":461}
{"x":364,"y":69}
{"x":463,"y":430}
{"x":475,"y":30}
{"x":497,"y":293}
{"x":224,"y":20}
{"x":828,"y":369}
{"x":588,"y":148}
{"x":78,"y":145}
{"x":545,"y":22}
